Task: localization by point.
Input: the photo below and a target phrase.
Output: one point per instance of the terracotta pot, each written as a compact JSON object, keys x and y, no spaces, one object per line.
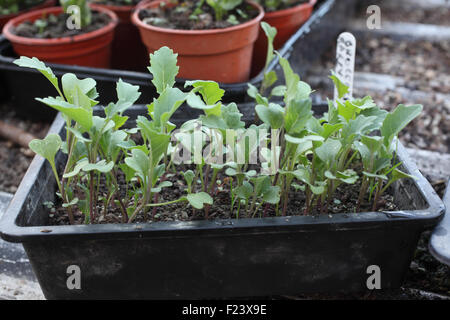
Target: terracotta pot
{"x":222,"y":55}
{"x":128,"y":51}
{"x":287,"y":22}
{"x":6,"y":17}
{"x":91,"y":49}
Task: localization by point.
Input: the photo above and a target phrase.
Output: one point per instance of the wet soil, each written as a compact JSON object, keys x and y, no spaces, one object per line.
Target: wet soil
{"x":56,"y":27}
{"x":14,"y":160}
{"x":184,"y":16}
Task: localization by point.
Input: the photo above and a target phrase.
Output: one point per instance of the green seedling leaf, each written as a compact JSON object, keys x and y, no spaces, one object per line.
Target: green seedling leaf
{"x":139,"y":163}
{"x":397,"y":120}
{"x":165,"y":105}
{"x":35,"y":63}
{"x":329,"y":150}
{"x":79,"y":92}
{"x":163,"y":67}
{"x":189,"y":177}
{"x":273,"y":115}
{"x":198,"y":200}
{"x":270,"y":32}
{"x":209,"y":90}
{"x":244,"y":191}
{"x":342,"y":89}
{"x":376,"y":176}
{"x":297,"y":115}
{"x":47,"y":147}
{"x":80,"y":115}
{"x":71,"y":203}
{"x":278,"y":91}
{"x":349,"y":176}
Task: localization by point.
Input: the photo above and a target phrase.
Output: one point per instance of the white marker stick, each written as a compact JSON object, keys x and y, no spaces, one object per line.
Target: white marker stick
{"x":345,"y":61}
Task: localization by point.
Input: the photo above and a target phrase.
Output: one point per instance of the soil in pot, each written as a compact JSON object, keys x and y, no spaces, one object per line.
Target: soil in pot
{"x":128,"y":51}
{"x":207,"y":48}
{"x":56,"y":26}
{"x":14,"y":159}
{"x":182,"y":16}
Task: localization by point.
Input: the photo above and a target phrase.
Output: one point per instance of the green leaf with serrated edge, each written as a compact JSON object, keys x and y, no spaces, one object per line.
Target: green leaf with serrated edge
{"x":127,"y":95}
{"x":209,"y":90}
{"x":194,"y":101}
{"x":231,"y":115}
{"x":396,"y":120}
{"x":35,"y":63}
{"x":273,"y":115}
{"x":329,"y":150}
{"x":198,"y":200}
{"x":297,"y":115}
{"x":77,"y":91}
{"x":47,"y":147}
{"x":166,"y":104}
{"x":80,"y":115}
{"x":342,"y":89}
{"x":163,"y":67}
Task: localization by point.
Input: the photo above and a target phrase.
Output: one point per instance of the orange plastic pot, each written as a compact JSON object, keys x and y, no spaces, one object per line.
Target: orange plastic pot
{"x":6,"y":17}
{"x":91,"y":49}
{"x":222,"y":55}
{"x":128,"y":51}
{"x":287,"y":22}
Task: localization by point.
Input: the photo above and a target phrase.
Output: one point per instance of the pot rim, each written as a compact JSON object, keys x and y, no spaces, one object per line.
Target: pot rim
{"x":299,"y":7}
{"x":56,"y":41}
{"x":136,"y":21}
{"x":122,"y":9}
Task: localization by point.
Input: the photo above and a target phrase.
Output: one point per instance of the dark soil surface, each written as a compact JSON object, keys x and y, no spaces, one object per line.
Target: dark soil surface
{"x":345,"y":201}
{"x":57,"y":28}
{"x":181,"y":16}
{"x":117,"y":2}
{"x":14,"y":160}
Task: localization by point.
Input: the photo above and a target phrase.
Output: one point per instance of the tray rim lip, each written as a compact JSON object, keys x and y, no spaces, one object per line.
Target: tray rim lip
{"x":11,"y":231}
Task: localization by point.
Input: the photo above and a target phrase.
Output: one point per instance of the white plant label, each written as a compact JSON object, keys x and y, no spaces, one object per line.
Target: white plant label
{"x":345,"y":61}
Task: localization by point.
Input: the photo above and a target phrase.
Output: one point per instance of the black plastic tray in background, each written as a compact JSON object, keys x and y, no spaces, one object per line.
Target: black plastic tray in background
{"x":219,"y":258}
{"x":22,"y":85}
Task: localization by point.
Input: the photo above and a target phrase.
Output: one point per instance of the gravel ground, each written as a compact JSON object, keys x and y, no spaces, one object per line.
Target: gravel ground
{"x":14,"y":160}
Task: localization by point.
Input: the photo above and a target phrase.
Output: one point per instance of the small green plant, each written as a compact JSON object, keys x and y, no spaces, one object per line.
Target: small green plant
{"x":300,"y":154}
{"x":273,"y":5}
{"x":85,"y":11}
{"x":221,"y":7}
